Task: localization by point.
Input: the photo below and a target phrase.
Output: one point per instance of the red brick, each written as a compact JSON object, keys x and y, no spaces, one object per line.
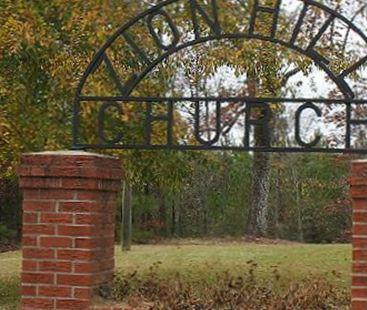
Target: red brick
{"x":54,"y":291}
{"x":88,"y":195}
{"x":38,"y":278}
{"x":359,"y":243}
{"x":356,"y":180}
{"x":39,"y":253}
{"x":83,"y":293}
{"x":29,"y":265}
{"x":359,"y":255}
{"x":56,"y":218}
{"x":75,"y":279}
{"x":31,"y":194}
{"x":359,"y":304}
{"x":359,"y":168}
{"x":86,"y":218}
{"x":78,"y":207}
{"x":66,"y":160}
{"x":74,"y":254}
{"x":81,"y":183}
{"x":359,"y":293}
{"x":39,"y":206}
{"x":358,"y":192}
{"x":360,"y":267}
{"x":30,"y":217}
{"x":65,"y":171}
{"x":55,"y":266}
{"x":86,"y":243}
{"x":57,"y":242}
{"x":107,"y":264}
{"x":359,"y":280}
{"x":88,"y":267}
{"x":359,"y":230}
{"x":57,"y":194}
{"x":29,"y":240}
{"x":34,"y":182}
{"x":39,"y":229}
{"x":110,"y":308}
{"x":360,"y":217}
{"x":37,"y":303}
{"x":110,"y":185}
{"x":359,"y":204}
{"x":72,"y":304}
{"x":28,"y":290}
{"x":77,"y":230}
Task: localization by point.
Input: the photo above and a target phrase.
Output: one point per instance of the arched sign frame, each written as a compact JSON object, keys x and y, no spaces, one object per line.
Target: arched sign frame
{"x":217,"y":33}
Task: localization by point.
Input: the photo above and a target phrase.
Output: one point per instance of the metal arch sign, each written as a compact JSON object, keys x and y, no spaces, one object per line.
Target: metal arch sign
{"x":208,"y":17}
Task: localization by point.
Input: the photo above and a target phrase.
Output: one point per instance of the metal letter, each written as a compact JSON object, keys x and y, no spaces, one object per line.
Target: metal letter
{"x":310,"y":49}
{"x":140,"y":52}
{"x":297,"y":29}
{"x":307,"y":105}
{"x":261,"y":121}
{"x":172,"y":26}
{"x":264,"y":9}
{"x":101,"y":119}
{"x":212,"y":23}
{"x":354,"y":67}
{"x":150,"y":118}
{"x":351,"y":122}
{"x":217,"y":127}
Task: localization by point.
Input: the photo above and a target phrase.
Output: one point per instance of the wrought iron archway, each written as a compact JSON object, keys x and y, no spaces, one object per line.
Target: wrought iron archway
{"x":164,"y":48}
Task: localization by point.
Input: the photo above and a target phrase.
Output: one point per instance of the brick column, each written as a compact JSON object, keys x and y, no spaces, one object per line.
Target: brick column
{"x":68,"y":227}
{"x":358,"y":193}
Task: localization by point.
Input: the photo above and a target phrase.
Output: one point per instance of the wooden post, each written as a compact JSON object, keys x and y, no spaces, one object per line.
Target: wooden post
{"x":126,"y":217}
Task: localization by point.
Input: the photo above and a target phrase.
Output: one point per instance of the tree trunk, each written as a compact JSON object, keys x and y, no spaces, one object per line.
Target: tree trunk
{"x":257,"y":220}
{"x":162,"y":215}
{"x":299,"y":211}
{"x":278,"y":204}
{"x":257,"y":217}
{"x":126,"y":217}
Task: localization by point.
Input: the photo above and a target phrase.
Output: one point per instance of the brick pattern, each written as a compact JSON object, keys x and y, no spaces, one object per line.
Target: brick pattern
{"x":68,"y":227}
{"x":358,"y":193}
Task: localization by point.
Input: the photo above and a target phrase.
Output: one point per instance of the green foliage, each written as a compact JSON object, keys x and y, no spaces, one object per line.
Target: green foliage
{"x":10,"y":210}
{"x":6,"y":234}
{"x":308,"y":198}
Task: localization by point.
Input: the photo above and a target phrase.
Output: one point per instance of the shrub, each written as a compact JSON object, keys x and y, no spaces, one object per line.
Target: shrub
{"x":227,"y":292}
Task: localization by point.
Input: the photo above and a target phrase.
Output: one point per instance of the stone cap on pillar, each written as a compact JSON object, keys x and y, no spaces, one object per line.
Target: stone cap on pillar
{"x":70,"y":170}
{"x":75,"y":164}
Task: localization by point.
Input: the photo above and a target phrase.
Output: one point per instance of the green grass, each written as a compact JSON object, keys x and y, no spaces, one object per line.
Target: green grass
{"x":292,"y":261}
{"x":203,"y":260}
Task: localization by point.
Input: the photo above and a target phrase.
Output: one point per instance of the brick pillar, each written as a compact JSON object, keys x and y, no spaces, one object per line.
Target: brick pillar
{"x":68,"y":227}
{"x":358,"y":193}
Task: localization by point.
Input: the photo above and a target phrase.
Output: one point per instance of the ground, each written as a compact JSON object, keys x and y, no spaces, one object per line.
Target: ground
{"x":196,"y":260}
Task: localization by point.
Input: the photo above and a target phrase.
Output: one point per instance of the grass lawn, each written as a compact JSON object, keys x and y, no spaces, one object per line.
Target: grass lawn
{"x":196,"y":260}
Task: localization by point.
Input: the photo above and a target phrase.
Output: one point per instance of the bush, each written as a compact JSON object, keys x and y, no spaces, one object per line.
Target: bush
{"x":6,"y":234}
{"x":227,"y":292}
